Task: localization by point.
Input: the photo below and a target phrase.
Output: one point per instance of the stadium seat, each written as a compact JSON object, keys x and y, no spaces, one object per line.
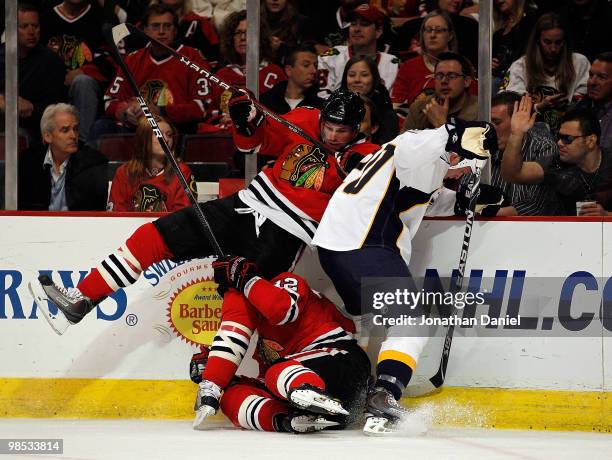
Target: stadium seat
{"x":208,"y":171}
{"x":209,"y":148}
{"x":116,"y":147}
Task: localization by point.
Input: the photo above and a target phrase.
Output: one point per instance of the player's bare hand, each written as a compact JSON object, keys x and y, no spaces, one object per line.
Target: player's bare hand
{"x":437,"y":113}
{"x":522,"y":119}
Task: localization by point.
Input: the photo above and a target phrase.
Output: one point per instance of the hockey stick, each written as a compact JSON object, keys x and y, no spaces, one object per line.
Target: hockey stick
{"x":107,"y":30}
{"x":122,"y":31}
{"x":435,"y":382}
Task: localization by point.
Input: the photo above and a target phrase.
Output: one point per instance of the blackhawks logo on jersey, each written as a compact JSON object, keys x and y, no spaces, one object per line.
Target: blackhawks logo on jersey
{"x":305,"y":167}
{"x":148,"y":198}
{"x":73,"y":51}
{"x":156,"y":92}
{"x":269,"y":351}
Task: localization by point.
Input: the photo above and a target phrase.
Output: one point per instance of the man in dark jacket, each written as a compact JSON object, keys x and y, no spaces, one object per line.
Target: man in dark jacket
{"x":300,"y":88}
{"x":62,"y":175}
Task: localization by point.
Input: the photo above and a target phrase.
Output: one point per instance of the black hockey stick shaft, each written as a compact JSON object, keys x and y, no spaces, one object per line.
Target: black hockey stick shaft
{"x":108,"y":33}
{"x":123,"y":30}
{"x":438,"y":379}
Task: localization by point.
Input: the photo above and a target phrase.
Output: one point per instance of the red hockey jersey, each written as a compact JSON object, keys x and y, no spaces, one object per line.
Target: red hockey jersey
{"x":295,"y":191}
{"x":182,"y":93}
{"x":290,"y":317}
{"x":269,"y":75}
{"x":151,"y":195}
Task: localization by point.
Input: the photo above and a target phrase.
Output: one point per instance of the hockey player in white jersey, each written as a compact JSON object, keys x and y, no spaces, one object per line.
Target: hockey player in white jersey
{"x":365,"y":29}
{"x":367,"y":229}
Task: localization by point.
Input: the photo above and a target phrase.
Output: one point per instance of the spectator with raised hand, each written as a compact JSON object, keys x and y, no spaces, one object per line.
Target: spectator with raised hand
{"x":451,"y":97}
{"x":599,"y":96}
{"x":194,"y":30}
{"x":233,"y":50}
{"x":580,"y":172}
{"x":72,"y":28}
{"x":414,"y":77}
{"x":300,"y":88}
{"x":365,"y":28}
{"x":549,"y":71}
{"x":63,"y":174}
{"x":168,"y":89}
{"x":147,"y":182}
{"x":361,"y":76}
{"x":41,"y":73}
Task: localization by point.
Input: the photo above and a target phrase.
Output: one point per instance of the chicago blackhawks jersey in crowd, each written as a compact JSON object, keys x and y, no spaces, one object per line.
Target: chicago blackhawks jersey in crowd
{"x":232,"y":74}
{"x":383,"y":200}
{"x":182,"y":94}
{"x":200,"y":33}
{"x":333,"y":61}
{"x":159,"y":193}
{"x":289,"y":317}
{"x":295,"y":191}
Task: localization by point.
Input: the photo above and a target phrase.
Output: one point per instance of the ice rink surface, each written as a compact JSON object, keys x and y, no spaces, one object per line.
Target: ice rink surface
{"x":134,"y":440}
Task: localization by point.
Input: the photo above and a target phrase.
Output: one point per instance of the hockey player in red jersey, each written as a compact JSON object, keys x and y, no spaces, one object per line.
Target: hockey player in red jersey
{"x":312,"y":373}
{"x":268,"y":222}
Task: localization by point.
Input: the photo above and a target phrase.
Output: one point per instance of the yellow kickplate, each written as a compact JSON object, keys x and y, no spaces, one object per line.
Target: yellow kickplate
{"x":173,"y":399}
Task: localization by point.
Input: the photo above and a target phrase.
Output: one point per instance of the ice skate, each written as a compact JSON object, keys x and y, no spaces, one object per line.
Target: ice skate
{"x":384,"y":413}
{"x":207,"y":403}
{"x":305,"y":423}
{"x":71,"y":304}
{"x":313,"y":399}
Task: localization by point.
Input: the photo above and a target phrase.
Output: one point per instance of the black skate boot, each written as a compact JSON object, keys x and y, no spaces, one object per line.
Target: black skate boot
{"x":383,"y":412}
{"x":72,"y":305}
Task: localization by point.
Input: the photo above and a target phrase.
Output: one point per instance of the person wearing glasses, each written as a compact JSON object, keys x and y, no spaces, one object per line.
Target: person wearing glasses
{"x":147,"y":182}
{"x":451,"y":97}
{"x":580,"y":173}
{"x":171,"y":91}
{"x":414,"y":77}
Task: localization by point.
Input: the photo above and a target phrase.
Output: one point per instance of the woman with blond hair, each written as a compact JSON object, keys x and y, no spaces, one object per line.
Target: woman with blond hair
{"x":549,"y":71}
{"x":147,"y":183}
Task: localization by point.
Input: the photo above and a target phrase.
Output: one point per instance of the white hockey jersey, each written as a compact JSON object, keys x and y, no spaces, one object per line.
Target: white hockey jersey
{"x":333,"y":61}
{"x":384,"y":199}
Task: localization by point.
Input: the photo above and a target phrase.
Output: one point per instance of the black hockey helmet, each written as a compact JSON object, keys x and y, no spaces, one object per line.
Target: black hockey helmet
{"x":344,"y":107}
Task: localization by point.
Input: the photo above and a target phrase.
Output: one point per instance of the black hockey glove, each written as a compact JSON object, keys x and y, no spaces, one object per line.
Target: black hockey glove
{"x":489,"y":200}
{"x":245,"y":115}
{"x":349,"y":160}
{"x":233,"y":272}
{"x":471,"y":139}
{"x":198,"y":363}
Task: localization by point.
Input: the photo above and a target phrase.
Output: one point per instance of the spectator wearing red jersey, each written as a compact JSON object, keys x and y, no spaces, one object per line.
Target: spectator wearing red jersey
{"x":147,"y":183}
{"x":168,"y":87}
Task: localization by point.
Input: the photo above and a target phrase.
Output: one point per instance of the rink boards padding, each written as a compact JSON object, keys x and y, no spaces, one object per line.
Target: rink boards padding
{"x":139,"y":341}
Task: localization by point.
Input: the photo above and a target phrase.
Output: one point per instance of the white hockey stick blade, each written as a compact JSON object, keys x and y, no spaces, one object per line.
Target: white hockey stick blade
{"x":120,"y":31}
{"x":311,"y":400}
{"x":58,"y":322}
{"x":421,"y":387}
{"x":201,"y":415}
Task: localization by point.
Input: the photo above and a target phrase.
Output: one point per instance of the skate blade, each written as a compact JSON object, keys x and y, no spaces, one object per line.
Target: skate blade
{"x":58,"y":322}
{"x":311,"y":426}
{"x":312,"y":401}
{"x":378,"y":426}
{"x":201,"y":415}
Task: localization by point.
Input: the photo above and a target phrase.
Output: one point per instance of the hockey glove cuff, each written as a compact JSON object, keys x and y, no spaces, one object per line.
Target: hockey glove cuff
{"x":245,"y":115}
{"x":233,"y":272}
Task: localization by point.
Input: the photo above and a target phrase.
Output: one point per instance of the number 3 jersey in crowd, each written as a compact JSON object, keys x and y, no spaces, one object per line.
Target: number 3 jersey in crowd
{"x":295,"y":191}
{"x":382,"y":202}
{"x":166,"y":83}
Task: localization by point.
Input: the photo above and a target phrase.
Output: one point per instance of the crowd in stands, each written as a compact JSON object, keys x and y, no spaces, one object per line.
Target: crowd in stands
{"x":413,"y":62}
